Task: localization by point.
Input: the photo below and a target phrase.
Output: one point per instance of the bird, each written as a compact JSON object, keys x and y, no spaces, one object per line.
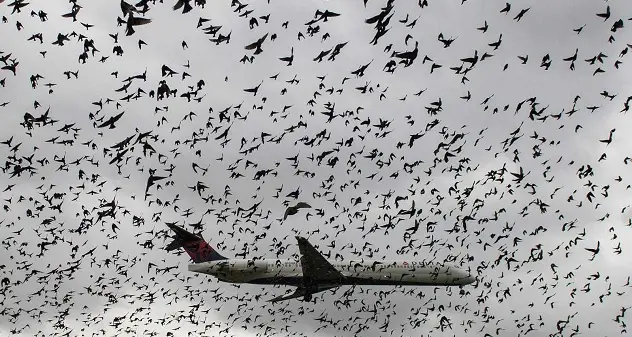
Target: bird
{"x":184,"y":4}
{"x":294,"y":209}
{"x":111,"y":121}
{"x":605,"y":15}
{"x":134,"y":21}
{"x":257,"y":45}
{"x":73,"y":12}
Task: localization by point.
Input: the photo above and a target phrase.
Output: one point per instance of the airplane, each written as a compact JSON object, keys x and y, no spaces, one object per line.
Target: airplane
{"x":313,"y":273}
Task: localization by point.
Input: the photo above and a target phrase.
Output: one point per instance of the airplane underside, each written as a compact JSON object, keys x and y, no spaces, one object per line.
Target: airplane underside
{"x":306,"y":290}
{"x":298,"y":281}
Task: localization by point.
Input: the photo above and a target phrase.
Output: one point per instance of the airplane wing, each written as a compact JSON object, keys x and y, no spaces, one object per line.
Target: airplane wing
{"x":300,"y":292}
{"x":315,"y":266}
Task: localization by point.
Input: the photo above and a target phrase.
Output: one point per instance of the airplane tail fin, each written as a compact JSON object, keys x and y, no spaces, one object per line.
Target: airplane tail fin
{"x":194,"y":244}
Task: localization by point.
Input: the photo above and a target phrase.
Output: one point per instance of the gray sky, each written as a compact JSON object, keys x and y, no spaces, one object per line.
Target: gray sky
{"x":41,"y":298}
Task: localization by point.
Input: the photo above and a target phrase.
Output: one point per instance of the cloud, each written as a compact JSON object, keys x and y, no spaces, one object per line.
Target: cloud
{"x":371,"y":168}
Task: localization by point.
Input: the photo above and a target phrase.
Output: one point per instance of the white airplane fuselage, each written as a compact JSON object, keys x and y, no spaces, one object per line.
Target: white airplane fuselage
{"x":289,"y":272}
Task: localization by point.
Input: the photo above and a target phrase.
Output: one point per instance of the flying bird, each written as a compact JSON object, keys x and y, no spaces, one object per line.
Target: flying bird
{"x":257,"y":45}
{"x":134,"y":21}
{"x":294,"y":209}
{"x":110,"y":122}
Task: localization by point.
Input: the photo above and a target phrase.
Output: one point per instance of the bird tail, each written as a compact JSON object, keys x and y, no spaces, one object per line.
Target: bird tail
{"x":187,"y":8}
{"x":194,"y":244}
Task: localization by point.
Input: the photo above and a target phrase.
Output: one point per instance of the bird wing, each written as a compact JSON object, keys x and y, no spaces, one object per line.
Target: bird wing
{"x":139,"y":21}
{"x":287,"y":212}
{"x":126,"y":8}
{"x":257,"y":43}
{"x":251,"y":46}
{"x":104,"y":124}
{"x":117,"y":117}
{"x":302,"y":205}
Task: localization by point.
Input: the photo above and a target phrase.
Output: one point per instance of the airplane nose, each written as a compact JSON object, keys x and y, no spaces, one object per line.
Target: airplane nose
{"x":469,"y":279}
{"x":466,"y":278}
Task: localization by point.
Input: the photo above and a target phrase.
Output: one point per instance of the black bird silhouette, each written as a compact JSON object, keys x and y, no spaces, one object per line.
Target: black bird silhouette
{"x":73,"y":12}
{"x":484,"y":27}
{"x":324,"y":16}
{"x":127,"y":8}
{"x":506,"y":9}
{"x":288,"y":59}
{"x":150,"y":182}
{"x":254,"y":90}
{"x":110,"y":122}
{"x":134,"y":21}
{"x":184,"y":4}
{"x":257,"y":45}
{"x":521,"y":14}
{"x":594,"y":251}
{"x":294,"y":209}
{"x":605,"y":15}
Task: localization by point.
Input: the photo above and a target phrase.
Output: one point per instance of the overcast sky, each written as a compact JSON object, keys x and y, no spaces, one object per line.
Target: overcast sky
{"x":118,"y":285}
